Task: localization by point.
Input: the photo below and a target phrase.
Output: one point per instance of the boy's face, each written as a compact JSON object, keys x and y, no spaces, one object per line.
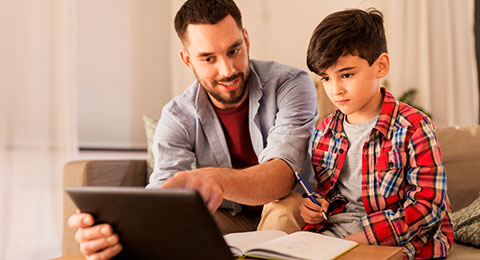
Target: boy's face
{"x":218,"y":55}
{"x":353,"y":86}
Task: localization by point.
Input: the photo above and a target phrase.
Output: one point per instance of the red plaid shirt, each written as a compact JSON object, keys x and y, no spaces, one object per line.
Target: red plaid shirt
{"x":404,"y":185}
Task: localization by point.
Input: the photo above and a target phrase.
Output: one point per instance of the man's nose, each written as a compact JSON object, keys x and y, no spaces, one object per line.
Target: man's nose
{"x":225,"y":67}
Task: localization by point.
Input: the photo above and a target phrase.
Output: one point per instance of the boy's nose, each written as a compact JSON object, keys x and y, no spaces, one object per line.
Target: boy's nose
{"x":337,"y":88}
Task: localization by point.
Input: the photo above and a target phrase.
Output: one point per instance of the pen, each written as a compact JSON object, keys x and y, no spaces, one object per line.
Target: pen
{"x":309,"y":193}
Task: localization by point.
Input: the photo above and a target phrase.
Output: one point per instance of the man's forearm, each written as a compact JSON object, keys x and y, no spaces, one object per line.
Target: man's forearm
{"x":257,"y":185}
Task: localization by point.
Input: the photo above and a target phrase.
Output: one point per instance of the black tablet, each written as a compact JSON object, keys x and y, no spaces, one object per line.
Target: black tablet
{"x":154,"y":224}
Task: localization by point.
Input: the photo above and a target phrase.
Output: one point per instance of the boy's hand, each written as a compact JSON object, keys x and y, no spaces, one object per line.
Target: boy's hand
{"x":311,"y":212}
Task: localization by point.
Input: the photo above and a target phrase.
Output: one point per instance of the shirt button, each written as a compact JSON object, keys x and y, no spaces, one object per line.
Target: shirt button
{"x":322,"y":161}
{"x":341,"y":150}
{"x":390,"y":164}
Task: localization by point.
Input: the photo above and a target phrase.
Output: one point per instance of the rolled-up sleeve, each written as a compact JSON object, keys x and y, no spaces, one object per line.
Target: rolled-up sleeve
{"x":288,"y":139}
{"x":172,"y":146}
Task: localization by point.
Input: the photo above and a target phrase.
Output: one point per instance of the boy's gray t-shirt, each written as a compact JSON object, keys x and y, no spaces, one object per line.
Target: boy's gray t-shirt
{"x":349,"y":183}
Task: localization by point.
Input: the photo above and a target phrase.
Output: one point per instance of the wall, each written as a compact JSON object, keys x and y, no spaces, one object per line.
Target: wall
{"x":123,"y":72}
{"x":128,"y":61}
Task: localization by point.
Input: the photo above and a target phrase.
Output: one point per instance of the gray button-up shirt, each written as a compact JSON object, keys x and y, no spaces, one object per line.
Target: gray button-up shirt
{"x":282,"y":115}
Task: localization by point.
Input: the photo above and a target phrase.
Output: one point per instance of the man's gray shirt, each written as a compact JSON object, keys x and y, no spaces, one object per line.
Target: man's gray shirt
{"x":282,"y":113}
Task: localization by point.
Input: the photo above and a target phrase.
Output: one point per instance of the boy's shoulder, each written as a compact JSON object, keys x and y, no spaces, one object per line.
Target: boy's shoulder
{"x":398,"y":114}
{"x":325,"y":122}
{"x":408,"y":115}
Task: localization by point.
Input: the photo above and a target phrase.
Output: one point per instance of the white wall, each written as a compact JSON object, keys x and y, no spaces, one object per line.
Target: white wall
{"x":279,"y":30}
{"x":128,"y":62}
{"x":123,"y":72}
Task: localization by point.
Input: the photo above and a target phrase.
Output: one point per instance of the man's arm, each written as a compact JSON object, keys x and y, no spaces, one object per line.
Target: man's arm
{"x":255,"y":185}
{"x":287,"y":144}
{"x":173,"y":144}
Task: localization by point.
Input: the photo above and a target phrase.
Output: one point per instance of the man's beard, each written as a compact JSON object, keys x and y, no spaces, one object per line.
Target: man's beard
{"x":234,"y":99}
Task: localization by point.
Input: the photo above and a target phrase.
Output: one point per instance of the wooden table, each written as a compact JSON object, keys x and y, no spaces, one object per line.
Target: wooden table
{"x":361,"y":252}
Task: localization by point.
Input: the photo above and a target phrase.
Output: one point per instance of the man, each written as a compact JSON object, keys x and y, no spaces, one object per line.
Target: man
{"x":245,"y":124}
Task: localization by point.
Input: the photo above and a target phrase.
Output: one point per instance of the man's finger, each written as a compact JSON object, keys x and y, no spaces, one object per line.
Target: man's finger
{"x":80,"y":220}
{"x":216,"y":199}
{"x":107,"y":253}
{"x":92,"y":233}
{"x":93,"y":246}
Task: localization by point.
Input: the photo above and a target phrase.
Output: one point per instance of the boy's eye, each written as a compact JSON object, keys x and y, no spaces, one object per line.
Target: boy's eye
{"x":347,"y":75}
{"x":325,"y":78}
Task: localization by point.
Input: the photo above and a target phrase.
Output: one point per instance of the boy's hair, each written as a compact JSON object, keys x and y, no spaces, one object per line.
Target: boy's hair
{"x":352,"y":31}
{"x":205,"y":12}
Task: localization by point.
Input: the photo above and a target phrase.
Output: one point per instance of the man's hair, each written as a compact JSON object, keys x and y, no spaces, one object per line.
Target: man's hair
{"x":205,"y":12}
{"x":352,"y":31}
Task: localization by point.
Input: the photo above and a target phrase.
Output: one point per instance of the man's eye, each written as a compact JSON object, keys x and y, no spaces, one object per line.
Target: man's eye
{"x":234,"y":51}
{"x":209,"y":59}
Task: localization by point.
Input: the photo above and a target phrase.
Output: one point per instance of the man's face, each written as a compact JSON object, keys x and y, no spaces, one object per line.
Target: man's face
{"x":218,"y":55}
{"x":353,"y":86}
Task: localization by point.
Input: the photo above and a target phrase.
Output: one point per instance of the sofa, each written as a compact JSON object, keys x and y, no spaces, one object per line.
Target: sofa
{"x":460,"y":151}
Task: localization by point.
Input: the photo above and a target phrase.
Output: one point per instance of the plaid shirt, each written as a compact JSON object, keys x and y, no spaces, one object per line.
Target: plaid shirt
{"x":404,"y":185}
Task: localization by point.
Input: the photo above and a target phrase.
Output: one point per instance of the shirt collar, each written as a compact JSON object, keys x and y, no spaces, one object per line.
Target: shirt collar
{"x":388,"y":115}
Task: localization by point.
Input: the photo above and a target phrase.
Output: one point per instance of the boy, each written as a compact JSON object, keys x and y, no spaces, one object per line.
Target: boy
{"x":377,"y":161}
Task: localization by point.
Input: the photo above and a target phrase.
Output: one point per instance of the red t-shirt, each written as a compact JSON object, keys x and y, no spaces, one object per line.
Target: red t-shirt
{"x":235,"y":127}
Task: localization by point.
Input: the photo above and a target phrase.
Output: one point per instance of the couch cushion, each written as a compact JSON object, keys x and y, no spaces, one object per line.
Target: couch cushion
{"x":463,"y":252}
{"x":460,"y":148}
{"x":150,"y":125}
{"x":466,"y":224}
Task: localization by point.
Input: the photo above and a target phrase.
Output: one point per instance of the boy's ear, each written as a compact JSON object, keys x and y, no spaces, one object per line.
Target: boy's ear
{"x":383,"y":65}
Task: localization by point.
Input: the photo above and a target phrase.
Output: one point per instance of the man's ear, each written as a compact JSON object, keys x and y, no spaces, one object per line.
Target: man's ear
{"x":247,"y":40}
{"x":383,"y":65}
{"x":185,"y":56}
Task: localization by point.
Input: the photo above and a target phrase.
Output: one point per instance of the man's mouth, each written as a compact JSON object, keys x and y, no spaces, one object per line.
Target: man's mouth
{"x":230,"y":85}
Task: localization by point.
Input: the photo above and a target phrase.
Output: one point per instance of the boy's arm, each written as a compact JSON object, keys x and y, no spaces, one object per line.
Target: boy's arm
{"x":425,"y":202}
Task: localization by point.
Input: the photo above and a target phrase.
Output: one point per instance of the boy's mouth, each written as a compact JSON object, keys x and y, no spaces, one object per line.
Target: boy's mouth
{"x":342,"y":101}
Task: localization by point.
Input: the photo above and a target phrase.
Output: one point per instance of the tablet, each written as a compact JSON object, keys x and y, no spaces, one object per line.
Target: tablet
{"x":154,"y":224}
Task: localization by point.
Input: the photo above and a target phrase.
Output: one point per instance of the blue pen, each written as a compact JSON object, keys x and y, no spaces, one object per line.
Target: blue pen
{"x":309,"y":193}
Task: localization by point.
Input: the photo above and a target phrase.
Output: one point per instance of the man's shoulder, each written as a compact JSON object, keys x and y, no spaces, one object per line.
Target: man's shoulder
{"x":268,"y":70}
{"x":184,"y":103}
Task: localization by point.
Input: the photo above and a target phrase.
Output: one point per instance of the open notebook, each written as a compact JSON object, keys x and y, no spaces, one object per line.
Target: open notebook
{"x":274,"y":244}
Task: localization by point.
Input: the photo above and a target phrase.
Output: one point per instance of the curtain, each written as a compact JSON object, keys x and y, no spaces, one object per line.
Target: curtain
{"x":37,"y":130}
{"x":432,"y":48}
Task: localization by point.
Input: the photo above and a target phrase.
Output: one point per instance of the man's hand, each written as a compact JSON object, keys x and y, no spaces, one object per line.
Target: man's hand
{"x":311,"y":212}
{"x":201,"y":180}
{"x":96,"y":242}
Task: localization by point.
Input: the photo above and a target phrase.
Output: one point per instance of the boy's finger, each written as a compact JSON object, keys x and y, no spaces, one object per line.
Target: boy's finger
{"x":324,"y":204}
{"x":310,"y":204}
